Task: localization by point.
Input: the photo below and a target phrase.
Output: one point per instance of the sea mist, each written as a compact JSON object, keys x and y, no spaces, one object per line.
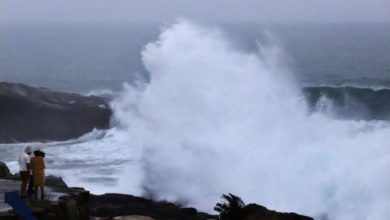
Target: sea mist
{"x":215,"y":120}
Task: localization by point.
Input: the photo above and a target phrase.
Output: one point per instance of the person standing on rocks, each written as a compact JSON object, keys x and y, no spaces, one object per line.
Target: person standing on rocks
{"x":24,"y":168}
{"x":30,"y":190}
{"x":38,"y":167}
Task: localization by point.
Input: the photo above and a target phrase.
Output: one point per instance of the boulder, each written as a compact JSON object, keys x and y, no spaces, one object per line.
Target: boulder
{"x":4,"y":171}
{"x":256,"y":212}
{"x":55,"y":181}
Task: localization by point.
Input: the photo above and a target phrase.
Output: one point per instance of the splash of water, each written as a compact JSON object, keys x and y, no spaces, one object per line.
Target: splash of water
{"x":216,"y":120}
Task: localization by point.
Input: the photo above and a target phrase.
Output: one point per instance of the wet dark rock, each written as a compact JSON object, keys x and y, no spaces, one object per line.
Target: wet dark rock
{"x":8,"y":216}
{"x":190,"y":211}
{"x":233,"y":208}
{"x":61,"y":202}
{"x":256,"y":212}
{"x":75,"y":203}
{"x":39,"y":114}
{"x":55,"y":181}
{"x":109,"y":205}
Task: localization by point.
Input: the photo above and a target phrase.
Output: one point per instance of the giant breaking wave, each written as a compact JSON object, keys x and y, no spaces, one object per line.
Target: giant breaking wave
{"x":215,"y":120}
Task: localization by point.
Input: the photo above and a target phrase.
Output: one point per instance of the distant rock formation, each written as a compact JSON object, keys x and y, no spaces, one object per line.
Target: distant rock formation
{"x":38,"y":114}
{"x":350,"y":102}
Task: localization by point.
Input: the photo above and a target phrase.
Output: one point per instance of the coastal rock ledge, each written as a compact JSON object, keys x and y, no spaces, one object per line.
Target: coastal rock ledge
{"x":73,"y":203}
{"x":38,"y":114}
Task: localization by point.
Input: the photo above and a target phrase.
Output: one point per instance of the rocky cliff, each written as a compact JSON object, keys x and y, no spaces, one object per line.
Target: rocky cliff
{"x":39,"y":114}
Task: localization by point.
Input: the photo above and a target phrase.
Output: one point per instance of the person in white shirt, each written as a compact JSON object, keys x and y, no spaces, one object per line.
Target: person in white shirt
{"x":24,"y":163}
{"x":30,"y":188}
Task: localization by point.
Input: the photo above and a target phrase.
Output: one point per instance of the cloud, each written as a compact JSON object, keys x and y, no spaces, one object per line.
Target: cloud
{"x":214,"y":10}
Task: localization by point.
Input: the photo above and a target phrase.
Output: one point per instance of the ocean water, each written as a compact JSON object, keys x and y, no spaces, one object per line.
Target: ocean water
{"x":208,"y":110}
{"x":86,"y":57}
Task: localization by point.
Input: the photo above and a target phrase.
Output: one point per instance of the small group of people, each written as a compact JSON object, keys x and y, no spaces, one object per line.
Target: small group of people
{"x":32,"y":172}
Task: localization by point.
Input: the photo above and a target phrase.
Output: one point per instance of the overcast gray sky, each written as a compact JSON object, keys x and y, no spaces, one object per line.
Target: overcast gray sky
{"x":37,"y":11}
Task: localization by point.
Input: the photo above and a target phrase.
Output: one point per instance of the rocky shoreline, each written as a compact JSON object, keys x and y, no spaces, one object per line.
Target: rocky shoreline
{"x":74,"y":203}
{"x":29,"y":114}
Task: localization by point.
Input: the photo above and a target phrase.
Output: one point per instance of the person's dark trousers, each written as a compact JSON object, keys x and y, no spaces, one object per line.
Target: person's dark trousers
{"x":23,"y":186}
{"x":30,"y":190}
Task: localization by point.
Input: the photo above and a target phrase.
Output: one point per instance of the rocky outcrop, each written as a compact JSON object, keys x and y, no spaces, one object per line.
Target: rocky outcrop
{"x":4,"y":171}
{"x":110,"y":205}
{"x":72,"y":205}
{"x":350,"y":102}
{"x":64,"y":203}
{"x":55,"y":181}
{"x":233,"y":208}
{"x":60,"y":203}
{"x":38,"y":114}
{"x":256,"y":212}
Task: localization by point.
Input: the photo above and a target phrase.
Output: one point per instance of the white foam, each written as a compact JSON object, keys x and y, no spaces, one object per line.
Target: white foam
{"x":216,"y":120}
